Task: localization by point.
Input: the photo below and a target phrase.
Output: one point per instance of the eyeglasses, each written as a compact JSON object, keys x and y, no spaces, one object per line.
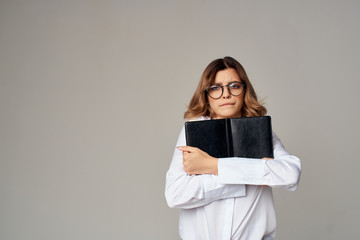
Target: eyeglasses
{"x":216,"y":91}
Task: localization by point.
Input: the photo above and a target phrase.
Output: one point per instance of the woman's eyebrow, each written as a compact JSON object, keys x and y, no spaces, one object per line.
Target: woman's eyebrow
{"x":220,"y":83}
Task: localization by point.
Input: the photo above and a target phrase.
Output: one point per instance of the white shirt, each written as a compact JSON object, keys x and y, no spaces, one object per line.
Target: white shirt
{"x":233,"y":204}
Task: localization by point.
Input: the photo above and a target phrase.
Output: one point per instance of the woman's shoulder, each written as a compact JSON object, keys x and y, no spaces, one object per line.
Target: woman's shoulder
{"x":198,"y":119}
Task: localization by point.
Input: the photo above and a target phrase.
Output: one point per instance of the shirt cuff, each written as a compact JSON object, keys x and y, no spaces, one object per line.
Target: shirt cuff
{"x":217,"y":190}
{"x":242,"y":171}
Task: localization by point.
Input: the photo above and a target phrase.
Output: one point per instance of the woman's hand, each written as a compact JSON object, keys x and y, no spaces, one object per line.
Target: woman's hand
{"x":197,"y":161}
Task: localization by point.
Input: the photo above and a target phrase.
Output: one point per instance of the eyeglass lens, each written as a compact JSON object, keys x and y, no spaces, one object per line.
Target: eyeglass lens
{"x":216,"y":91}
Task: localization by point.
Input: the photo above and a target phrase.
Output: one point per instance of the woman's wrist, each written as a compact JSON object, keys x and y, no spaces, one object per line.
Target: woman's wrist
{"x":214,"y":165}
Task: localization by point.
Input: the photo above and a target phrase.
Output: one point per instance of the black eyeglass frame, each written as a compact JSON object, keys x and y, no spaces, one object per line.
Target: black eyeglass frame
{"x":228,"y":87}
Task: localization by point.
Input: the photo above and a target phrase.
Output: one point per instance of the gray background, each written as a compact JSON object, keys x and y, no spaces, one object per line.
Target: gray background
{"x":92,"y":95}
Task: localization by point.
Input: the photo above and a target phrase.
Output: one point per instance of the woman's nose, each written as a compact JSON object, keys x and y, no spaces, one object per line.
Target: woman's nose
{"x":226,"y":93}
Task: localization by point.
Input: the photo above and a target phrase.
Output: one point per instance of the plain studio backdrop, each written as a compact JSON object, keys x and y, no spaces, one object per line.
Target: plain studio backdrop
{"x":92,"y":96}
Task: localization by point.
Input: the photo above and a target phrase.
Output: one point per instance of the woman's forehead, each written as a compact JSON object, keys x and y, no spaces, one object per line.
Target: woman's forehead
{"x":226,"y":76}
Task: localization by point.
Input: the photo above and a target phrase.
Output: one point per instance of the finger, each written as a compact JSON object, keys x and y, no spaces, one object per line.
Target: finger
{"x":186,"y":148}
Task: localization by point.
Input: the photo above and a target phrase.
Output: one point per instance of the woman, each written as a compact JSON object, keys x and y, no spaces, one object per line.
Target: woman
{"x":226,"y":198}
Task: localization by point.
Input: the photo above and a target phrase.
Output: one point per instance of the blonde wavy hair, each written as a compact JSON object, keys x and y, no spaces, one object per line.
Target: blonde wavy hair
{"x":199,"y":102}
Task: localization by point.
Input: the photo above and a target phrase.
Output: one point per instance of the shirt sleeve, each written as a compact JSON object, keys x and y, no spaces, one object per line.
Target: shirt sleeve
{"x":190,"y":191}
{"x":282,"y":171}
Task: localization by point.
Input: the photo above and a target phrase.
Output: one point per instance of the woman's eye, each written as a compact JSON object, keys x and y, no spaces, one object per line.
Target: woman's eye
{"x":235,"y":85}
{"x":214,"y":88}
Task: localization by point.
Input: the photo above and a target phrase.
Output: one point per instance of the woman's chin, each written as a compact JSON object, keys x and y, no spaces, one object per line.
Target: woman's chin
{"x":227,"y":114}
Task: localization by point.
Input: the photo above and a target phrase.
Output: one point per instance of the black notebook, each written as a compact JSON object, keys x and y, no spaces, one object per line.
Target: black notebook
{"x":249,"y":137}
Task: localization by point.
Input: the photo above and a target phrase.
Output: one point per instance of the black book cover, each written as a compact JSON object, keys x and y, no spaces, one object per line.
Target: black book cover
{"x":249,"y":137}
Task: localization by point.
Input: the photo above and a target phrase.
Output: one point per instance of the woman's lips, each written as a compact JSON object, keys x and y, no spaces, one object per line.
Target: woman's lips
{"x":227,"y":104}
